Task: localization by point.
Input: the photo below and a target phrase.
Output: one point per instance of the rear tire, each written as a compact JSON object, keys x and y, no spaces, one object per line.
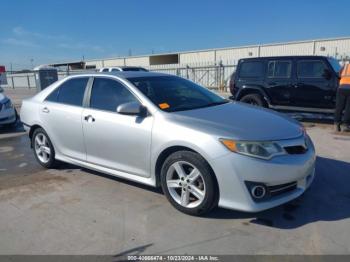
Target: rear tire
{"x":189,"y":183}
{"x":253,"y":99}
{"x":44,"y":151}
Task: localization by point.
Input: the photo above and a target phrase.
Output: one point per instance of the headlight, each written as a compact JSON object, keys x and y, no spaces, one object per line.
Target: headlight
{"x":264,"y":150}
{"x":8,"y":104}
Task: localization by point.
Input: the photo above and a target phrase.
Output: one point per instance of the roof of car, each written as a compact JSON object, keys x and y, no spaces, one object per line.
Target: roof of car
{"x":130,"y":74}
{"x":130,"y":67}
{"x":283,"y":57}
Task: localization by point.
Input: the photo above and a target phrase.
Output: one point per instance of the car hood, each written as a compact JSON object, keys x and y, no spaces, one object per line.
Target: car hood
{"x":240,"y":121}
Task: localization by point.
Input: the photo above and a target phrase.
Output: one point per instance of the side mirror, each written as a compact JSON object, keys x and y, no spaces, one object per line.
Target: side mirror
{"x":133,"y":109}
{"x":327,"y":74}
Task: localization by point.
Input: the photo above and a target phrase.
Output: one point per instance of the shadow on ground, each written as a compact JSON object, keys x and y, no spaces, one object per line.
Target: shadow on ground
{"x":11,"y":129}
{"x":328,"y":199}
{"x":133,"y":252}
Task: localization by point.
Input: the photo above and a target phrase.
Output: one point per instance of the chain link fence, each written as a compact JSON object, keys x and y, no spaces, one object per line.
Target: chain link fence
{"x":212,"y":76}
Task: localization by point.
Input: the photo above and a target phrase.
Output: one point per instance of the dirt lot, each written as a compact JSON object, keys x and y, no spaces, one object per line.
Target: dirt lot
{"x":76,"y":211}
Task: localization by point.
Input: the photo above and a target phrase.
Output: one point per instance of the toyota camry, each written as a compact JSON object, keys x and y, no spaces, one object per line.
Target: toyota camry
{"x":163,"y":130}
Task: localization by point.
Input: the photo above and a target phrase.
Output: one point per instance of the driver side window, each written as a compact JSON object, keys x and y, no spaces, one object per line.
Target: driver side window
{"x":108,"y":94}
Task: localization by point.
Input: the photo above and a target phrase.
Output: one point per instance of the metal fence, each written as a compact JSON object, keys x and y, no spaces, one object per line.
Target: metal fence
{"x":212,"y":76}
{"x":27,"y":80}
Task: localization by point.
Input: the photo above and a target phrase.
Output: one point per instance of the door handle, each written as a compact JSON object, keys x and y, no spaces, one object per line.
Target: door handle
{"x":45,"y":110}
{"x":89,"y":118}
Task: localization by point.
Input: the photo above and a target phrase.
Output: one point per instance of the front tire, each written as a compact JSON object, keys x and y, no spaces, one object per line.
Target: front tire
{"x":188,"y":183}
{"x":43,"y":148}
{"x":253,"y":99}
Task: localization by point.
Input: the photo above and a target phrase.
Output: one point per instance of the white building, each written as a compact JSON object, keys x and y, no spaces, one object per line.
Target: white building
{"x":336,"y":47}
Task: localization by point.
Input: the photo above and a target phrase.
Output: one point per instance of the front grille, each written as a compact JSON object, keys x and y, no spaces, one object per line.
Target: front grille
{"x":281,"y":189}
{"x":295,"y":150}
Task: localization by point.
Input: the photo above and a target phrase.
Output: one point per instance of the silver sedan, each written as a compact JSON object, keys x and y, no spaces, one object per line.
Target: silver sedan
{"x":163,"y":130}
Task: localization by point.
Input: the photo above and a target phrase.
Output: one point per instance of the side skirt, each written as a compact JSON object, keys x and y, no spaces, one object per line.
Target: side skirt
{"x":150,"y":181}
{"x":303,"y":109}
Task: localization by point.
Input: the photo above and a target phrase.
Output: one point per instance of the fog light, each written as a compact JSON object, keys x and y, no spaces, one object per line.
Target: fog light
{"x":258,"y":191}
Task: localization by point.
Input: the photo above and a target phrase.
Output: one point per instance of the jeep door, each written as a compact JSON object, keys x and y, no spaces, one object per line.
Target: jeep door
{"x":279,"y":81}
{"x":315,"y":84}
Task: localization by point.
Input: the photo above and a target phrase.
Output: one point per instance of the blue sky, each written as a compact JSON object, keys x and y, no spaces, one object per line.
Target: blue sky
{"x":53,"y":31}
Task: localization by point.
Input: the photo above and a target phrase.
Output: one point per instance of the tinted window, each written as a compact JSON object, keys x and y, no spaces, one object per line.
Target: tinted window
{"x":71,"y":92}
{"x":252,"y":69}
{"x":176,"y":94}
{"x":134,"y":69}
{"x":311,"y":69}
{"x":52,"y":97}
{"x":105,"y":70}
{"x":108,"y":94}
{"x":279,"y":69}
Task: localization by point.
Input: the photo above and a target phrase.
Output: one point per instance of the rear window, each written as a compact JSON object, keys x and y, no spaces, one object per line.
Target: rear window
{"x":134,"y":69}
{"x":252,"y":69}
{"x":311,"y":69}
{"x":71,"y":92}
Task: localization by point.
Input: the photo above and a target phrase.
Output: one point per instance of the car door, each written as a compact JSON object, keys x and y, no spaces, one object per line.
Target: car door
{"x":116,"y":141}
{"x":314,"y":86}
{"x":279,"y":81}
{"x":61,"y":116}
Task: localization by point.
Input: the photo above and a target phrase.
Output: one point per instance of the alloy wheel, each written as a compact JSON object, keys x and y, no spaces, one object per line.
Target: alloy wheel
{"x":42,"y":148}
{"x":185,"y":184}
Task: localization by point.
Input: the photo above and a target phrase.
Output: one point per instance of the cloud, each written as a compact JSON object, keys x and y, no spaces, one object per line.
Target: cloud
{"x":21,"y":32}
{"x":19,"y":42}
{"x":27,"y":38}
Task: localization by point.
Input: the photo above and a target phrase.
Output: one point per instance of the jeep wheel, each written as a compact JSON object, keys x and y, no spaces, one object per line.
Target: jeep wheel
{"x":253,"y":99}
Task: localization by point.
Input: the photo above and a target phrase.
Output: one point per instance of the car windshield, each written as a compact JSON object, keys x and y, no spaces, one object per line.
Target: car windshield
{"x":335,"y":64}
{"x":171,"y":93}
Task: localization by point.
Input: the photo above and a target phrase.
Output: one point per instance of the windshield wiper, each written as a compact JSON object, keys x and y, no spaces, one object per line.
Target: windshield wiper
{"x":202,"y":106}
{"x":218,"y":103}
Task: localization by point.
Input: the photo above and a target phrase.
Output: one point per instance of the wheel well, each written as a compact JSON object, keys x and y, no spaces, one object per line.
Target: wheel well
{"x":167,"y":152}
{"x":249,"y":91}
{"x":161,"y":158}
{"x":31,"y":132}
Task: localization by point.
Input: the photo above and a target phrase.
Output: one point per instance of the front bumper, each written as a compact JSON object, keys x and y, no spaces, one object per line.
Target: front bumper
{"x":7,"y":116}
{"x":234,"y":170}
